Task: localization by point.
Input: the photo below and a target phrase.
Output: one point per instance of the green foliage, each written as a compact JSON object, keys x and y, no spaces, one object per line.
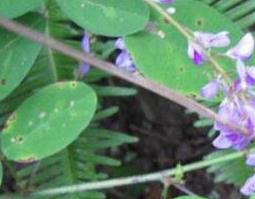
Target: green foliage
{"x":41,"y":126}
{"x":165,"y":48}
{"x":17,"y":55}
{"x":111,"y":17}
{"x":75,"y":164}
{"x":107,"y":91}
{"x":12,"y":8}
{"x":233,"y":172}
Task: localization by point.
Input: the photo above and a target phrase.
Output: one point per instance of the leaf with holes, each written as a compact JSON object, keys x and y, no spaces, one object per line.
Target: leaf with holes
{"x":12,"y":8}
{"x":111,"y":17}
{"x":17,"y":55}
{"x":161,"y":52}
{"x":48,"y":121}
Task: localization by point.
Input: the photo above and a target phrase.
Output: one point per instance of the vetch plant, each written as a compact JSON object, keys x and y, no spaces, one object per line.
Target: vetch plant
{"x":56,"y":58}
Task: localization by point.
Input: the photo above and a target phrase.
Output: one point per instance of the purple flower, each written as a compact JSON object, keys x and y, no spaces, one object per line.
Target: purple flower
{"x":249,"y":186}
{"x":210,"y":40}
{"x":250,"y":159}
{"x":124,"y":59}
{"x":119,"y":44}
{"x":195,"y":53}
{"x":233,"y":111}
{"x":210,"y":90}
{"x":222,"y":142}
{"x":164,"y":1}
{"x":246,"y":76}
{"x":206,"y":40}
{"x":244,"y":49}
{"x":84,"y":68}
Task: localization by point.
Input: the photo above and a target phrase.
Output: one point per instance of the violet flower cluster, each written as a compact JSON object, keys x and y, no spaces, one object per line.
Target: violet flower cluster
{"x":238,"y":104}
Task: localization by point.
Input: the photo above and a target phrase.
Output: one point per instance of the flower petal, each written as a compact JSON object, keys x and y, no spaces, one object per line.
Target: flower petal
{"x":250,"y":160}
{"x":209,"y":40}
{"x":222,"y":142}
{"x":124,"y":61}
{"x":250,"y":78}
{"x":244,"y":49}
{"x":83,"y":69}
{"x":210,"y":90}
{"x":195,"y":53}
{"x":164,"y":1}
{"x":120,"y":44}
{"x":241,"y":70}
{"x":85,"y":43}
{"x":249,"y":186}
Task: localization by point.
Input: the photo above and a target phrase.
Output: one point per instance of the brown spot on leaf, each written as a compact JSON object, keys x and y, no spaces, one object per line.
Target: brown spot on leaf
{"x":73,"y":84}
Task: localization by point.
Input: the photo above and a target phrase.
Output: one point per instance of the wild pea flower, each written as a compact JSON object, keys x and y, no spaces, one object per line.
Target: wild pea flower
{"x":244,"y":49}
{"x":250,"y":159}
{"x":233,"y":110}
{"x":84,"y":68}
{"x":124,"y":59}
{"x":246,"y":75}
{"x":210,"y":90}
{"x":249,"y":186}
{"x":164,"y":1}
{"x":206,"y":40}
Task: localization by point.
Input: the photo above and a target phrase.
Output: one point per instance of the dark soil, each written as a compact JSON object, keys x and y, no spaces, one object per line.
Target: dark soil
{"x":166,"y":137}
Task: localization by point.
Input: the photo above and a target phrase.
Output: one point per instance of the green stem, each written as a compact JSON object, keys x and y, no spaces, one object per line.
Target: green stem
{"x":189,"y":37}
{"x":157,"y":176}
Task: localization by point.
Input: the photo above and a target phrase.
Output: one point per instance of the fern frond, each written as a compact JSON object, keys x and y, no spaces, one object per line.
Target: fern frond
{"x":77,"y":163}
{"x":232,"y":172}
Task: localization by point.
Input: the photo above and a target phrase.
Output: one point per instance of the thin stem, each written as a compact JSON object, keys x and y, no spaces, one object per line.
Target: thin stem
{"x":158,"y":176}
{"x":136,"y":79}
{"x":189,"y":37}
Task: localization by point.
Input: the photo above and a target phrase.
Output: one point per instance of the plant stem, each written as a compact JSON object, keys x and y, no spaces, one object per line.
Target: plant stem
{"x":158,"y":176}
{"x":189,"y":37}
{"x":136,"y":79}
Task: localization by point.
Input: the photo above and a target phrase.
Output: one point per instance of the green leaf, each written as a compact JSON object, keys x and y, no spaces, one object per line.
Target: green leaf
{"x":111,"y":17}
{"x":104,"y":91}
{"x":161,"y":53}
{"x":17,"y":55}
{"x":48,"y":121}
{"x":14,"y":8}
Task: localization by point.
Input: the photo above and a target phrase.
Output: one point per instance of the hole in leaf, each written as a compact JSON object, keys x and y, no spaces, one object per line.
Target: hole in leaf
{"x":17,"y":139}
{"x":200,"y":22}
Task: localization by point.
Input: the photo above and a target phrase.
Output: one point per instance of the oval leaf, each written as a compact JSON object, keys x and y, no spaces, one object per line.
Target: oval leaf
{"x":110,"y":18}
{"x":161,"y":53}
{"x":14,"y":8}
{"x":48,"y":121}
{"x":17,"y":55}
